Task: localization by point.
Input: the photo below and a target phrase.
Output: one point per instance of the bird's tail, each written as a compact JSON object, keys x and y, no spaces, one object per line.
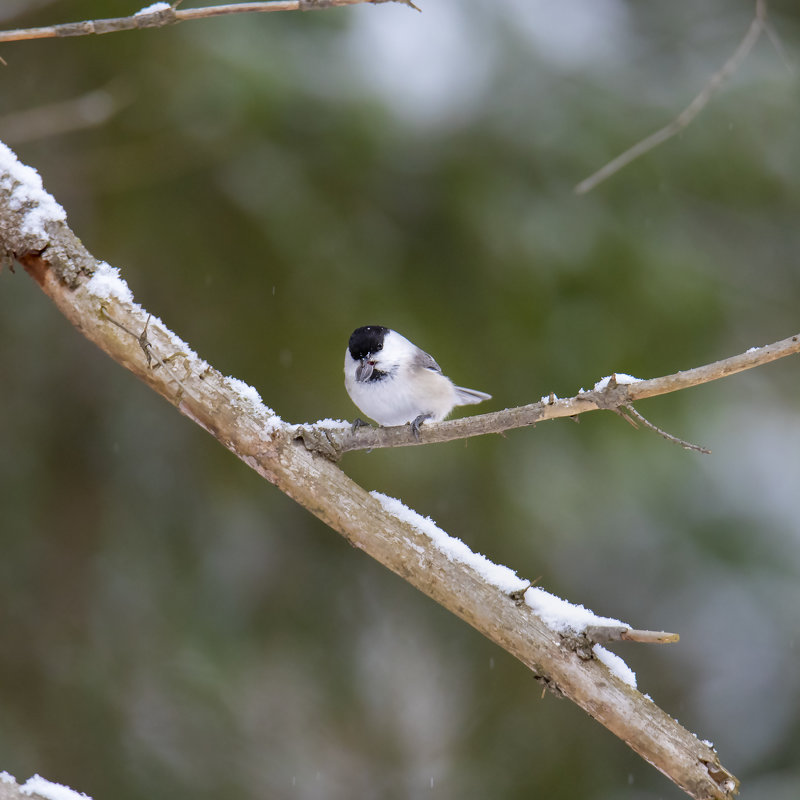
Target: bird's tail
{"x":468,"y":397}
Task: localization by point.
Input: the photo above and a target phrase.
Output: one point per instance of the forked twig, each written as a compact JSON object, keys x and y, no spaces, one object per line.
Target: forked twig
{"x":147,"y":347}
{"x":601,"y":634}
{"x":637,"y":417}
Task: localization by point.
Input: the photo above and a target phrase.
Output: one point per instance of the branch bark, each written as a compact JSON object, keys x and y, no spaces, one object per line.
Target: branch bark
{"x":616,"y":392}
{"x":33,"y":231}
{"x":172,"y":15}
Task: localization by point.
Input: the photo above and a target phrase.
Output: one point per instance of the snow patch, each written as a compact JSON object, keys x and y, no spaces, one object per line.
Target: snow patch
{"x":246,"y":392}
{"x":563,"y":617}
{"x":106,"y":284}
{"x":152,"y":9}
{"x":418,"y":548}
{"x":333,"y":424}
{"x":620,"y":377}
{"x":559,"y":615}
{"x":52,"y":791}
{"x":502,"y":577}
{"x":27,"y":195}
{"x":251,"y":403}
{"x":615,"y":665}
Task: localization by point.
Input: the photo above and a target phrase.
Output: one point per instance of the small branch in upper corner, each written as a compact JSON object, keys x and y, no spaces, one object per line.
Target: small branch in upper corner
{"x":161,"y":17}
{"x":689,"y":113}
{"x":636,"y":416}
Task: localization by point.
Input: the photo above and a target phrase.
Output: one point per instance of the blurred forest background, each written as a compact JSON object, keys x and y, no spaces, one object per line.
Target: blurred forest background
{"x":172,"y":626}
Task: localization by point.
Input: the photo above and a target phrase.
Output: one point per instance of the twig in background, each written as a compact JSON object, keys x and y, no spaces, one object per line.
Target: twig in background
{"x":689,"y":113}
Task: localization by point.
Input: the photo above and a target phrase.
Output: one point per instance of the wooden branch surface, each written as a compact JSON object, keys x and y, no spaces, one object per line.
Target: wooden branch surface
{"x":171,"y":16}
{"x":333,"y":441}
{"x":56,"y":259}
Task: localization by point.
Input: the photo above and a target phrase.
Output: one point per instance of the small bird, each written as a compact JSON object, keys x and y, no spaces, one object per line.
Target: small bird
{"x":392,"y":381}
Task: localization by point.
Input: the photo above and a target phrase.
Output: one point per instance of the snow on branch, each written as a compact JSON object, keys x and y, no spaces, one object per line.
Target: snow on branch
{"x":36,"y":787}
{"x":159,"y":15}
{"x":559,"y":642}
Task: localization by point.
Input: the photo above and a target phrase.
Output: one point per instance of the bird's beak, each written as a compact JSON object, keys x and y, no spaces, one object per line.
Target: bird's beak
{"x":364,"y":370}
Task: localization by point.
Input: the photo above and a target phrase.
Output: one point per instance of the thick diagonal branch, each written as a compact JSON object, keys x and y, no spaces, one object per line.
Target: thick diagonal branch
{"x":33,"y":231}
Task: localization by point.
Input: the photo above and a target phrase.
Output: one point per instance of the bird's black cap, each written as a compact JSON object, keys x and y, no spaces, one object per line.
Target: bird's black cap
{"x":366,"y":340}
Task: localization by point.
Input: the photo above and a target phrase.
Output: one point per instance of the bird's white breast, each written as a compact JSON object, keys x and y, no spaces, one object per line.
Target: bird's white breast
{"x":403,"y":395}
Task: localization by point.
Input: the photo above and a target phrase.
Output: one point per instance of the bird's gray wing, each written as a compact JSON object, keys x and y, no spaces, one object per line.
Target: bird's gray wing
{"x":424,"y":361}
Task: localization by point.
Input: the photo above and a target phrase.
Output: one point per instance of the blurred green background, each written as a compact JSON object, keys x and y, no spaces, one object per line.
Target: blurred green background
{"x":172,"y":626}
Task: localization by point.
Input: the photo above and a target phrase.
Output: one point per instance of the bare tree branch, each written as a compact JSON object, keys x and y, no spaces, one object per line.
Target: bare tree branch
{"x":610,"y":394}
{"x":689,"y":113}
{"x":630,"y":414}
{"x":172,"y":15}
{"x":489,"y":597}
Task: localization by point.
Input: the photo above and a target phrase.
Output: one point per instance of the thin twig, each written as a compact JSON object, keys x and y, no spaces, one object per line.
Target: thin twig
{"x":612,"y":396}
{"x":629,"y":409}
{"x":147,"y":348}
{"x":649,"y":637}
{"x":689,"y":113}
{"x":776,"y":42}
{"x":171,"y":16}
{"x":600,"y":634}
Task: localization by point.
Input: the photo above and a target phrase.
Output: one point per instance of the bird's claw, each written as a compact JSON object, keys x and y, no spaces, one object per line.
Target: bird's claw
{"x":358,"y":423}
{"x":415,"y":425}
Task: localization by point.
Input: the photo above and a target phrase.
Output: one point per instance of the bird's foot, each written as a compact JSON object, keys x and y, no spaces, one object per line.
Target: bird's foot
{"x":415,"y":425}
{"x":358,"y":423}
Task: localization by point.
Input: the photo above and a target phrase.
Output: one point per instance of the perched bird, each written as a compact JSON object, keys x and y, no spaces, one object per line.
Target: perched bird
{"x":392,"y":381}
